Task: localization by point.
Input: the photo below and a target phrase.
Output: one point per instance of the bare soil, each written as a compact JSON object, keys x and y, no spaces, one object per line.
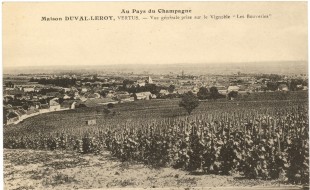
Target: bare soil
{"x":33,"y":169}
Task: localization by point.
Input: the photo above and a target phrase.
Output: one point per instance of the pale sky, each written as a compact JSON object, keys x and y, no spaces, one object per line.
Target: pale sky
{"x":28,"y":41}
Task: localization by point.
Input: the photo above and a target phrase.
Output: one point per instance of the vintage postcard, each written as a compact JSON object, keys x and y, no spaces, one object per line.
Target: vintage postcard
{"x":166,"y":95}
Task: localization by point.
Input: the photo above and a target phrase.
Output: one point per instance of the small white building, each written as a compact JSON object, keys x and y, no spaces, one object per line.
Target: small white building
{"x":233,"y":88}
{"x":54,"y":104}
{"x":84,"y":89}
{"x":28,"y":89}
{"x":282,"y":87}
{"x":67,"y":89}
{"x":142,"y":96}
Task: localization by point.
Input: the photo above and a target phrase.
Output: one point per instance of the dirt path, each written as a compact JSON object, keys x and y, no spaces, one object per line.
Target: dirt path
{"x":29,"y":169}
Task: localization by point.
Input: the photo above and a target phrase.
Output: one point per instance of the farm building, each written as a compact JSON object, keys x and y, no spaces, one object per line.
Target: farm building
{"x":142,"y":96}
{"x":91,"y":122}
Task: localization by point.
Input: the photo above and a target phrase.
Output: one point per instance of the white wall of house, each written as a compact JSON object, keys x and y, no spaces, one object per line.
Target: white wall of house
{"x":28,"y":89}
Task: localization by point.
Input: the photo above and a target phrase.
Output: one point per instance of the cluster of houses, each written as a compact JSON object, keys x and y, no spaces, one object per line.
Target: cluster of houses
{"x":26,"y":100}
{"x":16,"y":114}
{"x":226,"y":84}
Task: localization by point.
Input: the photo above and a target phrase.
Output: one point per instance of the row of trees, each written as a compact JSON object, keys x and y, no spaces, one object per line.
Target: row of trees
{"x":62,"y":82}
{"x":190,"y":101}
{"x":293,"y":85}
{"x":212,"y":93}
{"x":128,"y":86}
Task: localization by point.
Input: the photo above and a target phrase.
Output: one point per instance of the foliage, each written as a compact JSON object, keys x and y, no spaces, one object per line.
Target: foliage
{"x":272,"y":77}
{"x":214,"y":93}
{"x":266,"y":144}
{"x":202,"y":93}
{"x":294,"y":82}
{"x":106,"y":111}
{"x":232,"y":95}
{"x":171,"y":88}
{"x":189,"y":102}
{"x":110,"y":105}
{"x":258,"y":139}
{"x":103,"y":93}
{"x":273,"y":86}
{"x":127,"y":82}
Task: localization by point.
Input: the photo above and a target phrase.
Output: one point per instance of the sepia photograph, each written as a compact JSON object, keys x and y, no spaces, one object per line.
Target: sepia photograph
{"x":155,"y":95}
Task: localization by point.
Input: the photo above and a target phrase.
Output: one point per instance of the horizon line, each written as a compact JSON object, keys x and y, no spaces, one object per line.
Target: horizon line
{"x":125,"y":64}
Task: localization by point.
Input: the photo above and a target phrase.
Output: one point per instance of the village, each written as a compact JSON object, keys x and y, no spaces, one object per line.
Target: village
{"x":29,"y":95}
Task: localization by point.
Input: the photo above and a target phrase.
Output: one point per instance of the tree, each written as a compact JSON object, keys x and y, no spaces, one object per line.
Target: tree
{"x":110,"y":105}
{"x":103,"y":93}
{"x":232,"y":95}
{"x":127,"y":82}
{"x":106,"y":111}
{"x":202,"y":93}
{"x":214,"y":93}
{"x":189,"y":102}
{"x":273,"y":86}
{"x":25,"y":106}
{"x":171,"y":88}
{"x":153,"y":88}
{"x":293,"y":84}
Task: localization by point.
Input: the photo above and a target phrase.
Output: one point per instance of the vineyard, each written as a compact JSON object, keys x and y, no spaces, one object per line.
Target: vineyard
{"x":266,"y":140}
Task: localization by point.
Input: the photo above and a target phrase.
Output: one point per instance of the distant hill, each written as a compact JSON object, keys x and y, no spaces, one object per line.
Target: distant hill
{"x":285,"y":67}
